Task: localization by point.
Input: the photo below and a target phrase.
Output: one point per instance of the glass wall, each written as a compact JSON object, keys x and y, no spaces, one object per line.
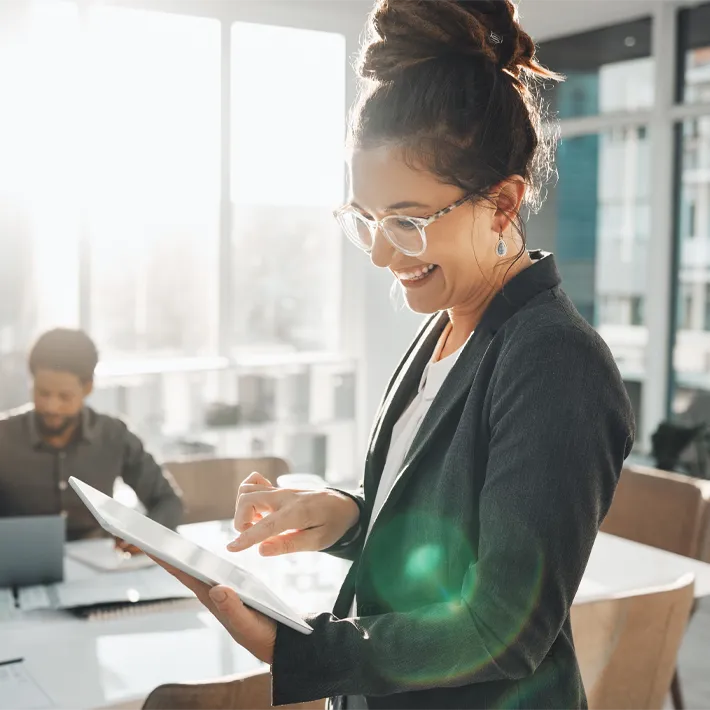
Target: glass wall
{"x":152,"y":200}
{"x":39,"y":181}
{"x":287,"y":177}
{"x":111,"y":189}
{"x":598,"y":218}
{"x":691,"y":356}
{"x":110,"y":184}
{"x":694,"y":50}
{"x":607,"y":70}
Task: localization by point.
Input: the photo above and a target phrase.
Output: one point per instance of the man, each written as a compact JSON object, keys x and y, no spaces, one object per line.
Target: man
{"x":42,"y":446}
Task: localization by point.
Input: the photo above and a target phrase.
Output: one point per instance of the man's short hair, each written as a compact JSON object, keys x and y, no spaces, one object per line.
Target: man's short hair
{"x":65,"y":350}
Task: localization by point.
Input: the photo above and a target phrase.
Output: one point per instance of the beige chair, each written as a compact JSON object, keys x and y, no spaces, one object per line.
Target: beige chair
{"x":245,"y":692}
{"x":210,"y":485}
{"x":627,"y":646}
{"x":666,"y":510}
{"x":661,"y":509}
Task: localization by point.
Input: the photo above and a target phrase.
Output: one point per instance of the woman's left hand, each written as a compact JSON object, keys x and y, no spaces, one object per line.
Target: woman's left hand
{"x":250,"y":629}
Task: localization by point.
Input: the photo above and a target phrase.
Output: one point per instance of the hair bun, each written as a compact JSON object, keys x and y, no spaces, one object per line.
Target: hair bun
{"x":405,"y":33}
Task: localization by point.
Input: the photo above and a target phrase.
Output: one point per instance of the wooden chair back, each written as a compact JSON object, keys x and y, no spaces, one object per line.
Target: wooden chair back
{"x":627,"y":647}
{"x":251,"y":691}
{"x":209,"y":485}
{"x":661,"y":509}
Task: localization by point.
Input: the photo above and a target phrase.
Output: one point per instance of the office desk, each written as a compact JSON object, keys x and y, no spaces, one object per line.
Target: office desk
{"x":618,"y":566}
{"x":91,"y":664}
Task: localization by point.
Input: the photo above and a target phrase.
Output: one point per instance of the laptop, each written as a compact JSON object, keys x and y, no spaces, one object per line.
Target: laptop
{"x":32,"y":550}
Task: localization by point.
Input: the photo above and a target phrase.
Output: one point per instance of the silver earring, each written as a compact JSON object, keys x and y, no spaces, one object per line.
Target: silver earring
{"x":501,"y":246}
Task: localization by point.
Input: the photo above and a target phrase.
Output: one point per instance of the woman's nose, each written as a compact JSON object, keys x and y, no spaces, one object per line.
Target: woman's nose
{"x":382,"y":251}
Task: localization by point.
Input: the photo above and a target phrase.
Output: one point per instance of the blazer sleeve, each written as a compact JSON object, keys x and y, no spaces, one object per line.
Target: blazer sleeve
{"x":349,"y":546}
{"x":560,"y":428}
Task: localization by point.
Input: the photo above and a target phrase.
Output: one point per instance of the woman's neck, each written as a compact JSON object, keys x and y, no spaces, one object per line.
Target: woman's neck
{"x":466,"y":317}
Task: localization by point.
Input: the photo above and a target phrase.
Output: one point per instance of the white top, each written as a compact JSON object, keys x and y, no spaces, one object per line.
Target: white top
{"x":407,"y":426}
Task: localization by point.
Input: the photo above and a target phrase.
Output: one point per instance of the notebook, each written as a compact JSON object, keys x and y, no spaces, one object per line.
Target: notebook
{"x":122,"y":592}
{"x":102,"y":556}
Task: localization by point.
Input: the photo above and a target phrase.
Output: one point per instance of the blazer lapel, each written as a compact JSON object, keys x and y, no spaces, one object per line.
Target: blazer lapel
{"x":455,"y":387}
{"x":403,"y":385}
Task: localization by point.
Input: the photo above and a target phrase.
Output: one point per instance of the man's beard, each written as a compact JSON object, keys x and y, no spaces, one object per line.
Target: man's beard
{"x":56,"y":430}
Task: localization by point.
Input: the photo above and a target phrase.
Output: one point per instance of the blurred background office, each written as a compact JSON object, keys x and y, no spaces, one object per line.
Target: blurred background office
{"x":166,"y":183}
{"x":168,"y":171}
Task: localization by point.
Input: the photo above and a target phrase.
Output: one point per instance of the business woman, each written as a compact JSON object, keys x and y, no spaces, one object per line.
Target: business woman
{"x":498,"y":445}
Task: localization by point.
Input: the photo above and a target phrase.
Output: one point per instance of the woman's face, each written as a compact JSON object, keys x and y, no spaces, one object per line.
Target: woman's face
{"x":461,"y":245}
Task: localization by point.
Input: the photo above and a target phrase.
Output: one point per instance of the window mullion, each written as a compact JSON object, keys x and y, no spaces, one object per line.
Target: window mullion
{"x":659,"y":280}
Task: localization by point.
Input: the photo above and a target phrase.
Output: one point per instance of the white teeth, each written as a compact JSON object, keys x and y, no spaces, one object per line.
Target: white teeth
{"x":416,"y":275}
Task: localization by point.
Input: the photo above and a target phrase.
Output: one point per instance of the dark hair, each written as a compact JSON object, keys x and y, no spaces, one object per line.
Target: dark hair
{"x":65,"y":350}
{"x":454,"y":83}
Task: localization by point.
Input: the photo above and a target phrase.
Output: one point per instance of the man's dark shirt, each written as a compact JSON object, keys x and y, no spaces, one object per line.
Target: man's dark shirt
{"x":34,"y":475}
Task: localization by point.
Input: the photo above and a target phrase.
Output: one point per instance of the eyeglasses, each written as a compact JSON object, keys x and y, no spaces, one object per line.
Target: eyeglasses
{"x":406,"y":234}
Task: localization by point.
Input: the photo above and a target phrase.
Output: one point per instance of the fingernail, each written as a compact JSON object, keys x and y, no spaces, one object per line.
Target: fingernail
{"x":234,"y":545}
{"x":219,"y":596}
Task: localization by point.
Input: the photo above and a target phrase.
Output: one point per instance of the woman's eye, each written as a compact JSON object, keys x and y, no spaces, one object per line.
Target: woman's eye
{"x":405,"y":224}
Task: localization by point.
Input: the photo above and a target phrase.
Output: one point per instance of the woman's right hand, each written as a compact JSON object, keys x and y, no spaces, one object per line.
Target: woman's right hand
{"x":282,"y":520}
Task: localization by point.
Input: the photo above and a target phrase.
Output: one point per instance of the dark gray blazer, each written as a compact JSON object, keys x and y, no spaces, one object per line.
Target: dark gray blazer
{"x":465,"y":583}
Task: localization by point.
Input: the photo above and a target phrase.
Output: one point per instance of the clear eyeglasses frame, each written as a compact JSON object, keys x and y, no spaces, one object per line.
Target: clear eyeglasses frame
{"x":406,"y":234}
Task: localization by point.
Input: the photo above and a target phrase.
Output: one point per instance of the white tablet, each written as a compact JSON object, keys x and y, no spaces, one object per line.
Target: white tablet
{"x":169,"y":546}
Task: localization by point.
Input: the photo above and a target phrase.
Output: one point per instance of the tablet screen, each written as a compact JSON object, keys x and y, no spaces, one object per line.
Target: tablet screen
{"x":174,"y":549}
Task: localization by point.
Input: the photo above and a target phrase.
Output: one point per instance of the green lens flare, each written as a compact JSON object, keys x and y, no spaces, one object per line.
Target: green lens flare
{"x":438,"y":579}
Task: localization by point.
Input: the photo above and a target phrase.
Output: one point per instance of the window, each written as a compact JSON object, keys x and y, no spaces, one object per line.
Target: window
{"x":694,"y":26}
{"x":692,"y":347}
{"x":596,"y":221}
{"x":153,"y":150}
{"x":287,"y":176}
{"x":637,"y":315}
{"x":39,"y":182}
{"x":691,"y":351}
{"x":606,"y":70}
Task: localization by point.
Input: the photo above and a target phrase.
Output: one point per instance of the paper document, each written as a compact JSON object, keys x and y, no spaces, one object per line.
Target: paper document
{"x":7,"y":605}
{"x":18,"y":690}
{"x":35,"y":598}
{"x":101,"y":555}
{"x":152,"y":584}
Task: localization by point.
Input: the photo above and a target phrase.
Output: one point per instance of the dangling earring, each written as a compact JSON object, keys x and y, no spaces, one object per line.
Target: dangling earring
{"x":501,"y":246}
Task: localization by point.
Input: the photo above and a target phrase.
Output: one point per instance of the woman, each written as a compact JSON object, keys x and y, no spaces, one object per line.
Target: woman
{"x":499,"y":442}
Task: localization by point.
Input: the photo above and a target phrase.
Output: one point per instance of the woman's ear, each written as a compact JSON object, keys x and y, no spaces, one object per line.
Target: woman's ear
{"x":508,"y":197}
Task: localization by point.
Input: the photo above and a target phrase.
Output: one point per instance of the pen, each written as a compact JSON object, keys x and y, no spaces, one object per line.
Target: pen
{"x":11,"y":661}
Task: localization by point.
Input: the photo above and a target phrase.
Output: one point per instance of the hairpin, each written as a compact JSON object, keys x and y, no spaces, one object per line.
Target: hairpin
{"x":496,"y":39}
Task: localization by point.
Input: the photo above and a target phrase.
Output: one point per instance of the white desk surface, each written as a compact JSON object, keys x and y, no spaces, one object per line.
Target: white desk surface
{"x":92,"y":664}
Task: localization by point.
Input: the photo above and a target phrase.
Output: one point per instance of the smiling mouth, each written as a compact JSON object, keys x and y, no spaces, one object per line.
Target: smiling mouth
{"x":416,"y":276}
